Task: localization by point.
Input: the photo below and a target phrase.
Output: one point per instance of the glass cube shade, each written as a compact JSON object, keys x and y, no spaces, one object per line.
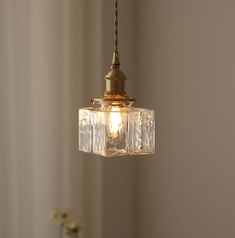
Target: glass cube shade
{"x":116,"y":131}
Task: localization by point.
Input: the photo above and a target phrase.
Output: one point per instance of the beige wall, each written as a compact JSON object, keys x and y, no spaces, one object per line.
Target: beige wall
{"x":179,"y":58}
{"x":187,"y":74}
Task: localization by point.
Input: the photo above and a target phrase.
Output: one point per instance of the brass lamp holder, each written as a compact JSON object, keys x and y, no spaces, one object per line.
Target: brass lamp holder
{"x":114,"y":93}
{"x":114,"y":86}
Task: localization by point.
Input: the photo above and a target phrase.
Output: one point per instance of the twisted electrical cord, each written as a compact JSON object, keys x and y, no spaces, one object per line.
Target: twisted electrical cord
{"x":116,"y":27}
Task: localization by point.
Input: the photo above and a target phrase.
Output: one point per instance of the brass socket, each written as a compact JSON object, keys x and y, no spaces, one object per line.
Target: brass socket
{"x":115,"y":79}
{"x":115,"y":82}
{"x":114,"y":86}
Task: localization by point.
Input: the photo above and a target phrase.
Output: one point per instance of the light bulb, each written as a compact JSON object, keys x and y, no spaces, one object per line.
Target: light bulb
{"x":115,"y":122}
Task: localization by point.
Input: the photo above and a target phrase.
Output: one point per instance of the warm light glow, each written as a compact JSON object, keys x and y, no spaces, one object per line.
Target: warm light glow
{"x":116,"y":131}
{"x":115,"y":122}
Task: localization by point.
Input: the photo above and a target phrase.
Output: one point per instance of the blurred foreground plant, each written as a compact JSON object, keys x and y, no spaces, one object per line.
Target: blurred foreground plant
{"x":67,"y":226}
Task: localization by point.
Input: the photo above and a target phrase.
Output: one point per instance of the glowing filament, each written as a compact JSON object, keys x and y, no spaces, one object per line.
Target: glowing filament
{"x":115,"y":122}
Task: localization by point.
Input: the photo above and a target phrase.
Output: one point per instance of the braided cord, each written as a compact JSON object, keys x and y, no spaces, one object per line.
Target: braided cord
{"x":116,"y":27}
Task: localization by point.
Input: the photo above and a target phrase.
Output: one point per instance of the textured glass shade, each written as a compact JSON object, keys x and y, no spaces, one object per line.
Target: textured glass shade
{"x":116,"y":131}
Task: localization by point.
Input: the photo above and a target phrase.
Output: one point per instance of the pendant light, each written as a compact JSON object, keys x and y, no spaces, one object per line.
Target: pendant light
{"x":111,"y":126}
